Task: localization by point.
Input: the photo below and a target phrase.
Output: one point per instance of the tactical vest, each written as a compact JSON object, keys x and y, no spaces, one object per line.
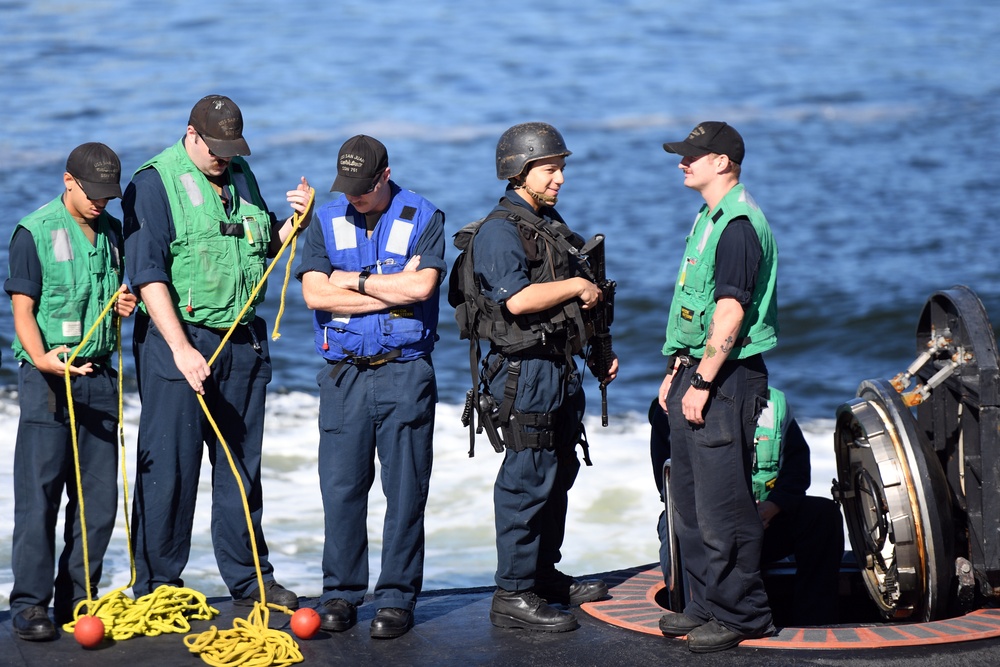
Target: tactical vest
{"x":694,"y":304}
{"x":411,"y":329}
{"x":78,"y":279}
{"x":550,"y":248}
{"x":217,"y":258}
{"x":552,"y":252}
{"x":771,"y":429}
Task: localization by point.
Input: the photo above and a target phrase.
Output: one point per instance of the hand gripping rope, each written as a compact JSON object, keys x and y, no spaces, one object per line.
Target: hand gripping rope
{"x":251,"y":643}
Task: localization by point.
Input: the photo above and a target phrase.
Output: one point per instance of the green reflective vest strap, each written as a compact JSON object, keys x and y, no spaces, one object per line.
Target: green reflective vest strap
{"x":771,"y":429}
{"x":78,"y":280}
{"x":216,"y":258}
{"x":693,"y":304}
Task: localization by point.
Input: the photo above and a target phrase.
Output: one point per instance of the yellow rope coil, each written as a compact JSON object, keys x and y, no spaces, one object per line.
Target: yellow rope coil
{"x":251,"y":643}
{"x":166,"y":610}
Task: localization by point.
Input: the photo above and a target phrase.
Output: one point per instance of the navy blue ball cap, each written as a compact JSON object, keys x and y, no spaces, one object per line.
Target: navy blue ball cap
{"x":220,"y":123}
{"x":98,"y":170}
{"x":710,"y":137}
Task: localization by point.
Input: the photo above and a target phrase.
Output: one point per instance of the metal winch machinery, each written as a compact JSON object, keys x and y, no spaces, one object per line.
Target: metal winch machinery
{"x":918,"y":466}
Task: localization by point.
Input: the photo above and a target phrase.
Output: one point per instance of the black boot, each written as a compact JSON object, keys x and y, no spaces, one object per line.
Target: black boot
{"x":713,"y":636}
{"x":673,"y":624}
{"x":337,"y":615}
{"x":556,"y":587}
{"x":34,"y":625}
{"x":527,"y":611}
{"x":275,"y":594}
{"x":391,"y":622}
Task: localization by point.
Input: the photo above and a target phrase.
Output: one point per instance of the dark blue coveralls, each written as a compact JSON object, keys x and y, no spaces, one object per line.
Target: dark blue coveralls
{"x":718,"y":529}
{"x":44,"y":466}
{"x":388,"y":411}
{"x":532,"y":486}
{"x":173,"y":430}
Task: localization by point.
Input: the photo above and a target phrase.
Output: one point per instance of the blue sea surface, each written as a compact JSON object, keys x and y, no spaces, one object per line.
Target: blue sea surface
{"x":872,"y":130}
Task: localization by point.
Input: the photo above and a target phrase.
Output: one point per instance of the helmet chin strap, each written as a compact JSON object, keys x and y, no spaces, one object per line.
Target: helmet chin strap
{"x":542,"y":199}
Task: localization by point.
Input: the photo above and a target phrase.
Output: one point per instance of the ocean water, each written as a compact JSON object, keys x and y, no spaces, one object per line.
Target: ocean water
{"x":872,"y":146}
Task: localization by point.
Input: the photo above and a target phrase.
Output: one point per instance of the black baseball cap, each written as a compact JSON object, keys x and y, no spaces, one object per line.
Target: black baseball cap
{"x":712,"y":136}
{"x":220,"y":123}
{"x":97,"y":169}
{"x":360,"y":161}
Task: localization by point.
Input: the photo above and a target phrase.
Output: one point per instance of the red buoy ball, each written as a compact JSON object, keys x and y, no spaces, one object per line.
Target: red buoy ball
{"x":89,"y":631}
{"x":305,"y":623}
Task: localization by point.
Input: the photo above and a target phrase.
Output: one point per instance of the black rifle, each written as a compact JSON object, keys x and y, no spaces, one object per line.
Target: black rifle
{"x":599,"y":319}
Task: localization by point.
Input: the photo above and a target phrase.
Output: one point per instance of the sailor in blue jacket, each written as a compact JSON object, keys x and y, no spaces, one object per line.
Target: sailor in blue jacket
{"x":371,"y":271}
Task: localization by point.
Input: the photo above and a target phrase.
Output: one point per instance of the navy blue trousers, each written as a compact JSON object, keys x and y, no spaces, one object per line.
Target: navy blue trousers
{"x":718,"y":529}
{"x":530,"y":496}
{"x":44,"y":467}
{"x":386,"y":411}
{"x":173,"y":433}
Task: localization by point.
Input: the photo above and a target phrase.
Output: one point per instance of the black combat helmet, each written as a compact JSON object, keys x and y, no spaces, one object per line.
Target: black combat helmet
{"x":526,"y":143}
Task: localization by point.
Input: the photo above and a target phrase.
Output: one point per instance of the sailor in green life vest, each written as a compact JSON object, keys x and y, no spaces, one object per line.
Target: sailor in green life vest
{"x":722,"y":317}
{"x":199,"y":234}
{"x":65,"y":267}
{"x":808,"y":528}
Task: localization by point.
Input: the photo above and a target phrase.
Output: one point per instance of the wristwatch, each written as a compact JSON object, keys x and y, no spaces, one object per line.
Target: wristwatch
{"x":362,"y":277}
{"x":698,"y":382}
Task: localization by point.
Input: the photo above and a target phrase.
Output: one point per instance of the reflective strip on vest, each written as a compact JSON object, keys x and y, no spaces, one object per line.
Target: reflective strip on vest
{"x":343,"y":233}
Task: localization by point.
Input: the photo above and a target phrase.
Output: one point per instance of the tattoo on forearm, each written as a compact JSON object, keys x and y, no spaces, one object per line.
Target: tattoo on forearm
{"x":711,"y":329}
{"x":728,"y":345}
{"x":709,"y":350}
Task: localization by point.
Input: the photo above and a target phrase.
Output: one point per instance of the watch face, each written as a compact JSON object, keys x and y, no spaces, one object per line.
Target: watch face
{"x":698,"y":382}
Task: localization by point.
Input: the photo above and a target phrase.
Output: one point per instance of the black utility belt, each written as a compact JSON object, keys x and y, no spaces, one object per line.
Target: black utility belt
{"x":96,"y":361}
{"x":521,"y":356}
{"x":369,"y":361}
{"x":687,"y":361}
{"x":242,"y":333}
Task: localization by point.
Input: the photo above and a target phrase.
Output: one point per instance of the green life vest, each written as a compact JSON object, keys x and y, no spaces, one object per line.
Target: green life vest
{"x":216,"y":259}
{"x":693,"y":304}
{"x":771,"y":428}
{"x":78,"y":279}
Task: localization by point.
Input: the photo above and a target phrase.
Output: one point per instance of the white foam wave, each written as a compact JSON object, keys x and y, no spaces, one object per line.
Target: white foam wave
{"x":612,"y":517}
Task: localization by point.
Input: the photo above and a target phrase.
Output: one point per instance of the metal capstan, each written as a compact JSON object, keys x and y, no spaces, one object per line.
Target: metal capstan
{"x":919,"y":469}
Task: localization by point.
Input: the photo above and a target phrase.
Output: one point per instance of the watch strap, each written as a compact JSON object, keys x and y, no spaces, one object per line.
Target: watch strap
{"x":698,"y":382}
